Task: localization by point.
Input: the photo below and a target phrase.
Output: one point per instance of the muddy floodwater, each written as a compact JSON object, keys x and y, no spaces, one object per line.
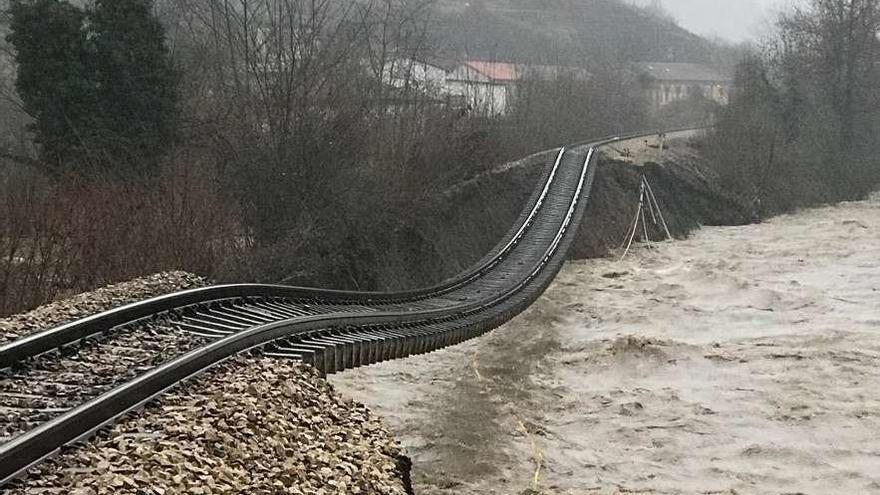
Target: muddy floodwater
{"x":742,"y":360}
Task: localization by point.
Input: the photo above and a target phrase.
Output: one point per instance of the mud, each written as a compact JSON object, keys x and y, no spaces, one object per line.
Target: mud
{"x":688,"y":196}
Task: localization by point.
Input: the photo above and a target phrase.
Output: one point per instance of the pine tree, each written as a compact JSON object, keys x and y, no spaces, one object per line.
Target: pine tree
{"x":54,"y":79}
{"x":100,"y":84}
{"x":136,"y":81}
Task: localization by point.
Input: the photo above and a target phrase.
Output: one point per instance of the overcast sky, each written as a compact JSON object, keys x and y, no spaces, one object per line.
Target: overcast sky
{"x":734,"y":20}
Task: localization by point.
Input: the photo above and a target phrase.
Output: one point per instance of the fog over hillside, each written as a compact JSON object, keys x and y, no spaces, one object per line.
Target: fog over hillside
{"x":733,"y":20}
{"x":572,"y":31}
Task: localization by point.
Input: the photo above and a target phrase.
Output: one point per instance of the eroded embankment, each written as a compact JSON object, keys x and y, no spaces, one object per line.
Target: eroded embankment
{"x":473,"y":217}
{"x":271,"y":415}
{"x":446,"y":232}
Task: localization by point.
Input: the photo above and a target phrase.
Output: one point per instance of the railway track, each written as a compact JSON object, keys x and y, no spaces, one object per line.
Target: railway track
{"x":62,"y":384}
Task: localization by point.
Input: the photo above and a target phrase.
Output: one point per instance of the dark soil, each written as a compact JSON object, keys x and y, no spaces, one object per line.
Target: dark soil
{"x":471,"y":220}
{"x":688,"y":200}
{"x":458,"y":227}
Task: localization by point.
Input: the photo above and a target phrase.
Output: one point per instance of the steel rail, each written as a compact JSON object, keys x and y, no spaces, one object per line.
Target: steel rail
{"x":482,"y":314}
{"x":53,"y":338}
{"x":25,"y":450}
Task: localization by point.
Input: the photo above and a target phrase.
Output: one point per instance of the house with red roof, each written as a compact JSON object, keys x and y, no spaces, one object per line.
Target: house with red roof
{"x":485,"y":87}
{"x":481,"y":86}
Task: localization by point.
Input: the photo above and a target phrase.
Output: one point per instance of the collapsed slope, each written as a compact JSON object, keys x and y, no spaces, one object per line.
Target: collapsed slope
{"x":475,"y":215}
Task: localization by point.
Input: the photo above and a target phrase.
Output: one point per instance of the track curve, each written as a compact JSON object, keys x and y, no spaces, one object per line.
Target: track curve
{"x":332,"y":330}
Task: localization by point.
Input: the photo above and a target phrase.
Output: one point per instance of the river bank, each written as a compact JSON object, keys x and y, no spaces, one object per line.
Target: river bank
{"x":741,"y":360}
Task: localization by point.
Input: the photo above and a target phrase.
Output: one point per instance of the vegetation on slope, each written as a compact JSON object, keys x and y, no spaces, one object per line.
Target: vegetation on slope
{"x":568,"y":31}
{"x":277,"y":150}
{"x":803,"y":122}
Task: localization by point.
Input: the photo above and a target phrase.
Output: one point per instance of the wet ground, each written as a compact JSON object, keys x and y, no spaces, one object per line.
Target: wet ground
{"x":742,"y":360}
{"x":654,"y":148}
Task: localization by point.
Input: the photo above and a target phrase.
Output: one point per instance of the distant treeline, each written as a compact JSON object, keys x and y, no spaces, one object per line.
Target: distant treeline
{"x":803,"y":126}
{"x":98,"y":82}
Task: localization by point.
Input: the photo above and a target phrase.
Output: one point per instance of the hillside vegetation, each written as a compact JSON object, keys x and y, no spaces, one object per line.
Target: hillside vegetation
{"x":281,"y":153}
{"x":803,"y":124}
{"x":571,"y":31}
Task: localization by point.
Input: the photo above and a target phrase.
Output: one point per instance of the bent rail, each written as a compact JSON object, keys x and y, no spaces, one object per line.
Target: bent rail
{"x":492,"y":293}
{"x":47,"y":340}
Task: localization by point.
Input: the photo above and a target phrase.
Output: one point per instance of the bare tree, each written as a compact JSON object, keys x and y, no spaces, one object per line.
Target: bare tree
{"x":832,"y":45}
{"x":804,"y":118}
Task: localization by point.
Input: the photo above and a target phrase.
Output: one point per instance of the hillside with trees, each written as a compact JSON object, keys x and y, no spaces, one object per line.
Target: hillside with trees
{"x":803,"y":122}
{"x":568,"y":31}
{"x":263,"y":141}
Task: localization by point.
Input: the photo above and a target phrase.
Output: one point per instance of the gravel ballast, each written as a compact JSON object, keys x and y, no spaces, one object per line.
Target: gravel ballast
{"x":251,"y":425}
{"x":46,"y":386}
{"x":89,"y":303}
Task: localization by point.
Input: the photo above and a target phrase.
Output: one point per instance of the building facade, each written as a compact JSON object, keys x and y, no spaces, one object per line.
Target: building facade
{"x":672,"y":82}
{"x":483,"y":87}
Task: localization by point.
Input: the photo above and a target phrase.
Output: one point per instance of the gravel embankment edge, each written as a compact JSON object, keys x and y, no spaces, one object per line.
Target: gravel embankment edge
{"x":89,"y":303}
{"x":249,"y":425}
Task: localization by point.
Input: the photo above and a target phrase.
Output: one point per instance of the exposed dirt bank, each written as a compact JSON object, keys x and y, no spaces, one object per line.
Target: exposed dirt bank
{"x":474,"y":217}
{"x":742,"y":360}
{"x":689,"y":198}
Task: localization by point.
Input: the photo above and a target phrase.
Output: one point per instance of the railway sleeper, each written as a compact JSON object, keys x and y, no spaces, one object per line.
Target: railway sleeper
{"x":339,"y":350}
{"x":397,"y":341}
{"x":358,"y":348}
{"x":234,"y":313}
{"x":284,"y":313}
{"x":290,"y":311}
{"x":215,"y":318}
{"x":201,"y":331}
{"x":315,"y":355}
{"x":269,"y":316}
{"x":354,"y":350}
{"x":207,"y":323}
{"x":391,"y":342}
{"x":342,"y":350}
{"x":254,"y":316}
{"x":222,"y":313}
{"x":277,"y":353}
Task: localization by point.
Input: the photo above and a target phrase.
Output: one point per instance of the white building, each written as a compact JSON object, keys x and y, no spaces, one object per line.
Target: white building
{"x":480,"y":86}
{"x":486,"y":87}
{"x":671,"y":82}
{"x":428,"y":75}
